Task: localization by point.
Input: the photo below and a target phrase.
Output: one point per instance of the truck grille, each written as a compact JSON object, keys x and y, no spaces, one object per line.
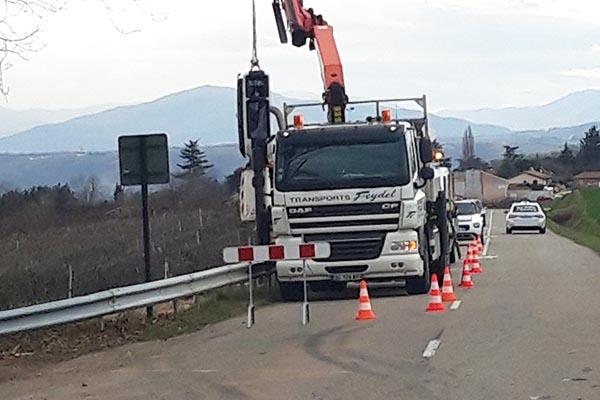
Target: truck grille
{"x":375,"y":217}
{"x":351,"y":246}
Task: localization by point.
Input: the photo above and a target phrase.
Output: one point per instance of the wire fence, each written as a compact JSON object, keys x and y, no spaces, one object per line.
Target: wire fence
{"x":101,"y":252}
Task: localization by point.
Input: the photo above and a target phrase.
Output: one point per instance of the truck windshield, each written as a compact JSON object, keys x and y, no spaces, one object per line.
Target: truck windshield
{"x":356,"y":161}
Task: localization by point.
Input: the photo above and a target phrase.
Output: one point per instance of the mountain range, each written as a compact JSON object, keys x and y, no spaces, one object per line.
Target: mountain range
{"x":85,"y":146}
{"x":574,"y":109}
{"x":15,"y":121}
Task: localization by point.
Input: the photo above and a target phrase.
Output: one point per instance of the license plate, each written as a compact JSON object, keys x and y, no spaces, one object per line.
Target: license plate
{"x":346,"y":277}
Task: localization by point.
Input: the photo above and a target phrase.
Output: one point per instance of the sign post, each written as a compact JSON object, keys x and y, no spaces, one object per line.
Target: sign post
{"x":290,"y":251}
{"x":144,"y":160}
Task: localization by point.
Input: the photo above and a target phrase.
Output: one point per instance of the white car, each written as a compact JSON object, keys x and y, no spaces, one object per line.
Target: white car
{"x":525,"y":216}
{"x":470,"y":220}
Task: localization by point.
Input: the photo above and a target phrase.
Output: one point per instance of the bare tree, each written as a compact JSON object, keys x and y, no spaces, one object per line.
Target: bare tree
{"x":22,"y":20}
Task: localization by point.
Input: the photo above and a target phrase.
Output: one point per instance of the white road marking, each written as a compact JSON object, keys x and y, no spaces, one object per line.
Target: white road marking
{"x":489,"y":234}
{"x":455,"y":305}
{"x":205,"y":371}
{"x":432,"y":346}
{"x":489,"y":257}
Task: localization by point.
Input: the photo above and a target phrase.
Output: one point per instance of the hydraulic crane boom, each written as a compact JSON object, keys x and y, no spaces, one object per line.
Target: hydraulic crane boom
{"x":304,"y":25}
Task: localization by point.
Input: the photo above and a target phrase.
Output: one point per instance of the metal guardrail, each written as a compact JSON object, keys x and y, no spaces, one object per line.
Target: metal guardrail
{"x":120,"y":299}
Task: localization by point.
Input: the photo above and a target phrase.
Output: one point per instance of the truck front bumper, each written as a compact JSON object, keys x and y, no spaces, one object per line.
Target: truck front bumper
{"x":386,"y":267}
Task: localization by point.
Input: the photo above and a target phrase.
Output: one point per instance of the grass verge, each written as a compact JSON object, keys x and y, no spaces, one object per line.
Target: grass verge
{"x":593,"y":242}
{"x":218,"y":306}
{"x":577,"y":216}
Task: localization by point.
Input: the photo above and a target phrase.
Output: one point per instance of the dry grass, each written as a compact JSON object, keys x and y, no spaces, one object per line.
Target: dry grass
{"x":101,"y":243}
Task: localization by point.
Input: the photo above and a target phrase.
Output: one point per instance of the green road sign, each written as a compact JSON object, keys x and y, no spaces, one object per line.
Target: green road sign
{"x":144,"y":159}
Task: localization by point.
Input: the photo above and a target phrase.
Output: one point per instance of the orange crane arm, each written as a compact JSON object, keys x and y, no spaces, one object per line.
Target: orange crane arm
{"x":304,"y":25}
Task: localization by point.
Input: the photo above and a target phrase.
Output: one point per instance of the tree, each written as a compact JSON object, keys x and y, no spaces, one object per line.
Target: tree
{"x":566,"y":156}
{"x":510,"y":153}
{"x":588,"y":157}
{"x":21,"y":22}
{"x":194,"y":159}
{"x":507,"y":167}
{"x":472,"y":163}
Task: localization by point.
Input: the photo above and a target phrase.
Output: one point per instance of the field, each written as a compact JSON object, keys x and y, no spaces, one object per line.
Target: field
{"x":50,"y":237}
{"x":577,"y":216}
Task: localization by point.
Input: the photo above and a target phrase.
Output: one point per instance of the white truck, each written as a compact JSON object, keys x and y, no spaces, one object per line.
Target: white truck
{"x":371,"y":189}
{"x":367,"y":187}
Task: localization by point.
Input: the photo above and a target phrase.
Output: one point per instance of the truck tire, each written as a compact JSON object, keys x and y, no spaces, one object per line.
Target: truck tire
{"x":441,"y":212}
{"x":543,"y":231}
{"x":421,"y":284}
{"x":291,"y":291}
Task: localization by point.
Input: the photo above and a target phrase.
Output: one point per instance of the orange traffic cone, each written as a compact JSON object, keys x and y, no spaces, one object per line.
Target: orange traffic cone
{"x":466,"y":281}
{"x":469,"y":258}
{"x":435,"y":297}
{"x":447,"y":290}
{"x":479,"y":245}
{"x":475,"y":265}
{"x":365,"y":312}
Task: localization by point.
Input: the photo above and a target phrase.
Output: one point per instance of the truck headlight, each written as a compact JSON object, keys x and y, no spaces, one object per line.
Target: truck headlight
{"x":476,"y":225}
{"x":404,"y":245}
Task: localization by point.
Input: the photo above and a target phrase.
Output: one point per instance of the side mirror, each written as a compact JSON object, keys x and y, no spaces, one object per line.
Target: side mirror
{"x":426,"y":173}
{"x":426,"y":150}
{"x":505,"y":211}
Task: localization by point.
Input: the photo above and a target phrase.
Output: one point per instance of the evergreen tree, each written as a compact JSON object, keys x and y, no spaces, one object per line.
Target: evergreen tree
{"x":588,"y":157}
{"x":507,"y":168}
{"x":194,"y":159}
{"x":566,"y":156}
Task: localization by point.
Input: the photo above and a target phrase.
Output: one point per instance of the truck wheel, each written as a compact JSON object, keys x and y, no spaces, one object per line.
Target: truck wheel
{"x":291,"y":291}
{"x":420,"y":284}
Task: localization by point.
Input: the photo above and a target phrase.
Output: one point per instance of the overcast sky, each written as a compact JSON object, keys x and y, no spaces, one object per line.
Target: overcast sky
{"x":461,"y":53}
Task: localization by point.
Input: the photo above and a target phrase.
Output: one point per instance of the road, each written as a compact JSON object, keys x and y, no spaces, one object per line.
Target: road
{"x":529,"y":329}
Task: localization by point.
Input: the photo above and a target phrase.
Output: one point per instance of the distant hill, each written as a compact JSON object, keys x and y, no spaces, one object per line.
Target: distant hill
{"x":206,"y":112}
{"x":25,"y":170}
{"x":574,"y":109}
{"x":86,"y":146}
{"x":14,"y":121}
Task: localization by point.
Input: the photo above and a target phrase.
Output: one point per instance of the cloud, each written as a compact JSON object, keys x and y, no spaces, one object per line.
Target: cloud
{"x":586,"y":73}
{"x":596,"y":48}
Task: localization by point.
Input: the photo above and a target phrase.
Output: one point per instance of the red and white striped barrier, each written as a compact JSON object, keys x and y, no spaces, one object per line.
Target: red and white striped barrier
{"x":276,"y":252}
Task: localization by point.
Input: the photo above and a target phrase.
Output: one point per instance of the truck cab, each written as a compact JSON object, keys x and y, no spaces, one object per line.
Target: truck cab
{"x":370,"y":190}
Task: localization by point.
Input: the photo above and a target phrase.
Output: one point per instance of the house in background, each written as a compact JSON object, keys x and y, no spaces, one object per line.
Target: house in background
{"x":523,"y":191}
{"x":587,"y":179}
{"x":532,"y":177}
{"x":474,"y":183}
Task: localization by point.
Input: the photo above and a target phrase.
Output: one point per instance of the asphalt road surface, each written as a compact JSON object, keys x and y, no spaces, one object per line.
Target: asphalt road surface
{"x":529,"y":329}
